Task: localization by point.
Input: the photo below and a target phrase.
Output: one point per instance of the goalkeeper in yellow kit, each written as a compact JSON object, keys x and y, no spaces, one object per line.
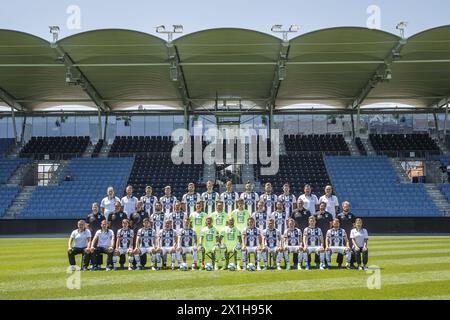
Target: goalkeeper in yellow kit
{"x":230,"y":243}
{"x":209,"y":240}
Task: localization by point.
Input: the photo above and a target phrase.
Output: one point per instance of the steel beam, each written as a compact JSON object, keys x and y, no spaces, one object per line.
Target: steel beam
{"x":6,"y":97}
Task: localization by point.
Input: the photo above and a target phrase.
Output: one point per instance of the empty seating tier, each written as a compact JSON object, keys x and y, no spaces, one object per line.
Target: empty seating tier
{"x":8,"y":167}
{"x":56,"y":147}
{"x":159,"y":171}
{"x":132,"y":145}
{"x":298,"y":170}
{"x":5,"y":146}
{"x":329,"y":144}
{"x":73,"y":199}
{"x":361,"y":148}
{"x":7,"y":195}
{"x":399,"y":145}
{"x":372,"y":187}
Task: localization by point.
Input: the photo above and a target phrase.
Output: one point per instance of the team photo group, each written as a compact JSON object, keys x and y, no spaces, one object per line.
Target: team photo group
{"x":220,"y":231}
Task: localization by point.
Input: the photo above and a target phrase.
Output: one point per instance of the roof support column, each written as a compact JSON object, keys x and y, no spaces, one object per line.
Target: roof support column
{"x":13,"y":117}
{"x":445,"y":122}
{"x":353,"y":126}
{"x":100,"y":130}
{"x":358,"y":123}
{"x":186,"y":118}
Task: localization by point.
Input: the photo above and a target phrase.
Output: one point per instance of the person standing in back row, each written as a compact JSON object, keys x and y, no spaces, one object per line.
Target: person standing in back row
{"x":310,"y":201}
{"x":330,"y":200}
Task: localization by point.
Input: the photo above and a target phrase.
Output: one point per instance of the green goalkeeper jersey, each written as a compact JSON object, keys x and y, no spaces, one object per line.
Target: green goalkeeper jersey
{"x":240,"y":218}
{"x":219,"y":220}
{"x":209,"y":238}
{"x":230,"y":237}
{"x":198,"y":222}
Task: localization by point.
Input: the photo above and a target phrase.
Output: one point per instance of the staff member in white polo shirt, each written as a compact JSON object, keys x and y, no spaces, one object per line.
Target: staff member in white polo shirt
{"x":103,"y":242}
{"x":331,"y":201}
{"x":359,"y":237}
{"x":310,"y":201}
{"x":81,"y":240}
{"x":129,"y":202}
{"x":107,"y":204}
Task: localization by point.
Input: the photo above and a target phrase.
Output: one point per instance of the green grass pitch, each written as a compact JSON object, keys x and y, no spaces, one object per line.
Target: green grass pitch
{"x":410,"y":268}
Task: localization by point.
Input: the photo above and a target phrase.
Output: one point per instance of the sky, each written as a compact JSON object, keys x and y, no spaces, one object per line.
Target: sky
{"x":35,"y":16}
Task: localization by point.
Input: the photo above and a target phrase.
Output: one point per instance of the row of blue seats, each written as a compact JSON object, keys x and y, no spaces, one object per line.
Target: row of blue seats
{"x":7,"y":195}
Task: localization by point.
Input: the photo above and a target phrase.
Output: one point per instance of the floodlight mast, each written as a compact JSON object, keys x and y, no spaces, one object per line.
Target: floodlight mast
{"x":278,"y":28}
{"x":177,"y":28}
{"x":401,"y":27}
{"x":54,"y":30}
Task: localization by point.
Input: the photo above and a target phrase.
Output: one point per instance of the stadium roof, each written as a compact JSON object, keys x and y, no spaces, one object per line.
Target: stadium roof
{"x":345,"y":67}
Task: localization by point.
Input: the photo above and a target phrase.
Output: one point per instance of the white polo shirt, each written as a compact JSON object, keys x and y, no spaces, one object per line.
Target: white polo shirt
{"x":104,"y":238}
{"x":359,"y":236}
{"x":332,"y":202}
{"x":80,"y":238}
{"x":129,"y":205}
{"x":310,"y":202}
{"x":108,"y":204}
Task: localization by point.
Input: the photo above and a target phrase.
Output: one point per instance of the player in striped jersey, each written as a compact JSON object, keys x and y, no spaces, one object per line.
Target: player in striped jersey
{"x":337,"y":242}
{"x":292,"y":243}
{"x":229,"y":198}
{"x":187,"y":240}
{"x":210,"y":198}
{"x":313,"y":243}
{"x":251,"y":242}
{"x":198,"y":219}
{"x":177,"y":216}
{"x":158,"y":217}
{"x":272,"y":244}
{"x":146,"y":242}
{"x":230,"y":238}
{"x":167,"y":238}
{"x":190,"y":199}
{"x":219,"y":217}
{"x":124,"y":244}
{"x":168,"y":200}
{"x":149,"y":200}
{"x":269,"y":198}
{"x":260,"y":216}
{"x":250,"y":198}
{"x":288,"y":199}
{"x":280,"y":217}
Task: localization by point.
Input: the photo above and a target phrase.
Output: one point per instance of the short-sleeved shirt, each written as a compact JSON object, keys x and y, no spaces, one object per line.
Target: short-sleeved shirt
{"x":270,"y":201}
{"x":288,"y":202}
{"x":177,"y":220}
{"x":336,"y":237}
{"x":310,"y":202}
{"x":346,"y":221}
{"x":292,"y":237}
{"x":190,"y":200}
{"x":324,"y":221}
{"x":230,"y":237}
{"x":149,"y":204}
{"x":129,"y":205}
{"x":280,"y":218}
{"x":312,"y":236}
{"x":240,"y":218}
{"x":167,"y":237}
{"x":209,"y":237}
{"x":229,"y":200}
{"x":147,"y":237}
{"x":95,"y":221}
{"x":251,"y":236}
{"x":138,"y":220}
{"x":209,"y":200}
{"x":125,"y":238}
{"x":108,"y":204}
{"x":188,"y":238}
{"x":80,"y":238}
{"x":261,"y":218}
{"x":219,"y":220}
{"x":301,"y":217}
{"x":167,"y":204}
{"x":332,"y":202}
{"x":272,"y":238}
{"x":104,"y":238}
{"x":158,"y":219}
{"x":198,"y":220}
{"x":360,"y":236}
{"x":250,"y":201}
{"x":116,"y":219}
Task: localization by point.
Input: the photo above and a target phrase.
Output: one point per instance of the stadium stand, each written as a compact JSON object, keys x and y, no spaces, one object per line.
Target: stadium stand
{"x":5,"y":146}
{"x":372,"y":187}
{"x":361,"y":148}
{"x":132,"y":145}
{"x":98,"y":148}
{"x":329,"y":144}
{"x":158,"y":171}
{"x":56,"y":147}
{"x":392,"y":144}
{"x":443,"y":159}
{"x":298,"y":170}
{"x":7,"y":195}
{"x":7,"y":168}
{"x":73,"y":199}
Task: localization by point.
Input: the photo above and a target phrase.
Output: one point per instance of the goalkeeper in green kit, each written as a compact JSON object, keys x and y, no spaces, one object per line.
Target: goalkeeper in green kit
{"x":209,"y":240}
{"x":230,"y":244}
